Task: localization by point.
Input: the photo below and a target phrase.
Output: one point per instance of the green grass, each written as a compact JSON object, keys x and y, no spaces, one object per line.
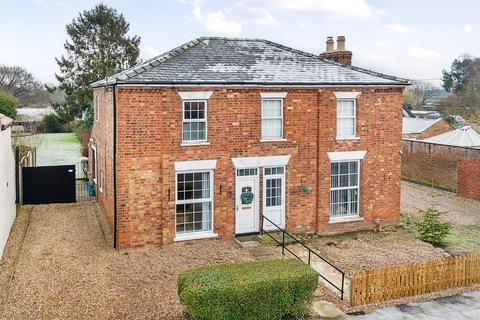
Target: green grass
{"x":467,"y":238}
{"x":59,"y":149}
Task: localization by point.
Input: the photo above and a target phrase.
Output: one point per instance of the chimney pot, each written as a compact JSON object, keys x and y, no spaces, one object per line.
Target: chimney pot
{"x":340,"y":55}
{"x":329,"y":44}
{"x":341,"y":43}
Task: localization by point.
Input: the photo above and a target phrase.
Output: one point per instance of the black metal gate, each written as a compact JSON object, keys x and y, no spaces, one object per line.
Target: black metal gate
{"x":49,"y":184}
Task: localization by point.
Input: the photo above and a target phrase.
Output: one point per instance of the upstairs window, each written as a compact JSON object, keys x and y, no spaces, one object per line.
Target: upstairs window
{"x":346,"y":118}
{"x":194,"y":121}
{"x":272,"y":119}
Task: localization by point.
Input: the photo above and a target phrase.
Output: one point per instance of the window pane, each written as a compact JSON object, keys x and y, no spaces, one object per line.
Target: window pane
{"x":272,"y":128}
{"x":273,"y":194}
{"x":345,"y":108}
{"x":346,"y":127}
{"x":272,"y":108}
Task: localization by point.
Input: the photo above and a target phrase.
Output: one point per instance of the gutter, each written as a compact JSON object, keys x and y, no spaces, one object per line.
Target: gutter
{"x":115,"y":222}
{"x":257,"y":84}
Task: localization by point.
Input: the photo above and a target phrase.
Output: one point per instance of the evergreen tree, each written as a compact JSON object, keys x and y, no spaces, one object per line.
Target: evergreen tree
{"x":98,"y":46}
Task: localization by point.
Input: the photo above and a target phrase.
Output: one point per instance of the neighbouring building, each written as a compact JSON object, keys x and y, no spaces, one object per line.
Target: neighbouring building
{"x":419,"y":128}
{"x":462,"y":137}
{"x":203,"y":140}
{"x":7,"y":181}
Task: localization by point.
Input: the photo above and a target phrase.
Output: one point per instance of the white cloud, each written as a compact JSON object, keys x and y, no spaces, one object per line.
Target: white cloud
{"x":350,"y":8}
{"x":148,"y":52}
{"x":467,"y":28}
{"x":216,"y":21}
{"x":245,"y":12}
{"x":422,"y":53}
{"x":395,"y":28}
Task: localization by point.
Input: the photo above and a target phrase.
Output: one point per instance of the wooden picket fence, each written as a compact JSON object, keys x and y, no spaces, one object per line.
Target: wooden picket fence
{"x":409,"y":280}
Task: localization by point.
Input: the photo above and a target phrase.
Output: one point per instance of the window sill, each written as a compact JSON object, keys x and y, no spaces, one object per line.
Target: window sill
{"x":348,"y":138}
{"x":195,"y":236}
{"x":345,"y":219}
{"x":274,"y":140}
{"x":191,"y":144}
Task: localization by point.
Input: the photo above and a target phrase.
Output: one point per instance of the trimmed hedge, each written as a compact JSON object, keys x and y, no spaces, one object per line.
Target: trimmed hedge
{"x":270,"y":289}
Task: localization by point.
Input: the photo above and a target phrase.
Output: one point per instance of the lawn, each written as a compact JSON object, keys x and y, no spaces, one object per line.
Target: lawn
{"x":59,"y":149}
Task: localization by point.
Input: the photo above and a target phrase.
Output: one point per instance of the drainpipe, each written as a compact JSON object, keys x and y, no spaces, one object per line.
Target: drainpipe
{"x":114,"y":103}
{"x":318,"y":162}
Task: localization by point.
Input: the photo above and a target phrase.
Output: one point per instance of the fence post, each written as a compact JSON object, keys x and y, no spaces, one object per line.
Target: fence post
{"x":17,"y":174}
{"x":283,"y":242}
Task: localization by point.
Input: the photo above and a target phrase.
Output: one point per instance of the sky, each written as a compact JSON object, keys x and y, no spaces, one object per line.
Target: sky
{"x":414,"y":39}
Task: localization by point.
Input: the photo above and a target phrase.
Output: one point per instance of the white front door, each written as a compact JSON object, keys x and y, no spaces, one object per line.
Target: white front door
{"x":246,"y":214}
{"x":274,"y":197}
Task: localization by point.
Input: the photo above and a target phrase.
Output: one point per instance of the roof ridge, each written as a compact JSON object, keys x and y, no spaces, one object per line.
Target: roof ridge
{"x":370,"y":72}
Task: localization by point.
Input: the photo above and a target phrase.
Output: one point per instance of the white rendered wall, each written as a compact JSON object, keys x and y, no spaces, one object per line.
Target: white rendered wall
{"x":7,"y":187}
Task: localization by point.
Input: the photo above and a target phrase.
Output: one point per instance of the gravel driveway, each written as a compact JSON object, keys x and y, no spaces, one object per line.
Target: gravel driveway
{"x":65,"y":270}
{"x":461,"y":211}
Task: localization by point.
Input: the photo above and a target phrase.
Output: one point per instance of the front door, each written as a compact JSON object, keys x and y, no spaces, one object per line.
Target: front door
{"x":246,"y":213}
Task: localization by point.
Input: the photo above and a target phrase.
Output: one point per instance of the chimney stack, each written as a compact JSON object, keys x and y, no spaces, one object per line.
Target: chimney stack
{"x":340,"y":55}
{"x":329,"y":44}
{"x":341,"y":43}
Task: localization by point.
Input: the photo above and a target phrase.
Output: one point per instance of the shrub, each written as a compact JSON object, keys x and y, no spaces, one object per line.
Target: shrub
{"x":52,"y":124}
{"x":268,"y":289}
{"x":430,"y":229}
{"x":8,"y":105}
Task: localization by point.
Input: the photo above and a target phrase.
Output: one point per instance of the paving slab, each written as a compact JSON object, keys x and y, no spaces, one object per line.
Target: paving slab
{"x":326,"y":309}
{"x":260,"y":251}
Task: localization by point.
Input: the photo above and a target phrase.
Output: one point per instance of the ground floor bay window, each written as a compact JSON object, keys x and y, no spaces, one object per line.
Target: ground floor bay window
{"x":194,"y":204}
{"x":344,"y":189}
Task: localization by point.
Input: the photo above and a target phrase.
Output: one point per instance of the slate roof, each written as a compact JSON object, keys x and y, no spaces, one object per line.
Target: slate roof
{"x":417,"y":125}
{"x":214,"y":60}
{"x":463,"y":137}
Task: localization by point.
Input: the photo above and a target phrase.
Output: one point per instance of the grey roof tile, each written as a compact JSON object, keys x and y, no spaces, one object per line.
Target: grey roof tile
{"x":212,"y":60}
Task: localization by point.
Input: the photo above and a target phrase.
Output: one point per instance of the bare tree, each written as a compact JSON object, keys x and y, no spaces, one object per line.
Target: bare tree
{"x":418,"y":94}
{"x":19,"y":83}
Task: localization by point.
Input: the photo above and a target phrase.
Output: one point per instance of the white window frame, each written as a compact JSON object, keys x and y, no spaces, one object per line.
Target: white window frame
{"x":357,"y":216}
{"x":283,"y":206}
{"x":354,"y":117}
{"x":281,"y":117}
{"x":195,"y":142}
{"x":196,"y":234}
{"x":95,"y":159}
{"x":97,"y":108}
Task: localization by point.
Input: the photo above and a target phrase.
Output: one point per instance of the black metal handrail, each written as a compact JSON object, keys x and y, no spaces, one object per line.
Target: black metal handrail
{"x":310,"y":252}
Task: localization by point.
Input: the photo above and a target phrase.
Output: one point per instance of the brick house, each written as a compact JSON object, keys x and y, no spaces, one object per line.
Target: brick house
{"x":212,"y":135}
{"x":420,"y":128}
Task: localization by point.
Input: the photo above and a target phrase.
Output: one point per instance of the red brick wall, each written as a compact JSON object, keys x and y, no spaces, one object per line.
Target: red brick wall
{"x":434,"y":164}
{"x":149,"y":137}
{"x":468,"y":179}
{"x":102,"y":133}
